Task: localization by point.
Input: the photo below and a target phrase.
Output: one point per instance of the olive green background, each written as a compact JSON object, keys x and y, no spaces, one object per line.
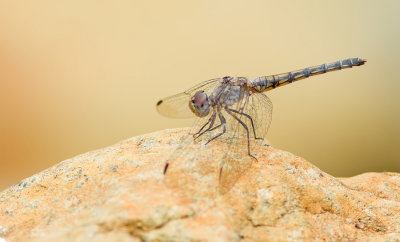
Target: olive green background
{"x":81,"y":75}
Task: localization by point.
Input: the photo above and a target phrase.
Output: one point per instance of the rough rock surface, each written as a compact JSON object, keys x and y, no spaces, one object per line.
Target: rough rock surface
{"x":119,"y":193}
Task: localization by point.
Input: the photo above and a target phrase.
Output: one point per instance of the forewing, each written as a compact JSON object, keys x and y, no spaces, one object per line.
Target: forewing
{"x":177,"y":106}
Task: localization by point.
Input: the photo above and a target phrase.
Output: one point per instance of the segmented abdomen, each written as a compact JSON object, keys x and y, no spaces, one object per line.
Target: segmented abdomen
{"x":265,"y":83}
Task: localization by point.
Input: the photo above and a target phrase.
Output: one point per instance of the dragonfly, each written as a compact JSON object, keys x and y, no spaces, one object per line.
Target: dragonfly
{"x":236,"y":108}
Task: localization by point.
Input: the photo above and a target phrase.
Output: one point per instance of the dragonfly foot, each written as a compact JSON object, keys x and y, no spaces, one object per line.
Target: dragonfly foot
{"x":252,"y":156}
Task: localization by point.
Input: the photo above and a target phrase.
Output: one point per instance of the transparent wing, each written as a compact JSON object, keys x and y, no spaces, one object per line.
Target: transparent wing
{"x":253,"y":111}
{"x":176,"y":106}
{"x":259,"y":108}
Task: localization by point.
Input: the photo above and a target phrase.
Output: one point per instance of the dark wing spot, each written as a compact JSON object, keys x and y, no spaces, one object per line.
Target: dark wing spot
{"x":159,"y":102}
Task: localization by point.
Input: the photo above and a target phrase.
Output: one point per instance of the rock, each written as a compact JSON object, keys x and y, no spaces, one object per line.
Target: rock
{"x":119,"y":193}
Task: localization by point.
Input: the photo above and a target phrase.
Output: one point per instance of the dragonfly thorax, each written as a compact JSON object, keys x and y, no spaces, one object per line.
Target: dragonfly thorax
{"x":227,"y":93}
{"x":199,"y":104}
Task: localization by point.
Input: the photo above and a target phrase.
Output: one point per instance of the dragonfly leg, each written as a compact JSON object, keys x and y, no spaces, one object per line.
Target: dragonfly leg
{"x":247,"y":131}
{"x":210,"y":128}
{"x":223,"y":121}
{"x":210,"y":121}
{"x":251,"y":120}
{"x":216,"y":127}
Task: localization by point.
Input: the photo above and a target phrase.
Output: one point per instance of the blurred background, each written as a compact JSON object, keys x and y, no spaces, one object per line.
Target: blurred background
{"x":81,"y":75}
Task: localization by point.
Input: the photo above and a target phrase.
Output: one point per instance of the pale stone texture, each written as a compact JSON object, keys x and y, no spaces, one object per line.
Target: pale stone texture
{"x":119,"y":193}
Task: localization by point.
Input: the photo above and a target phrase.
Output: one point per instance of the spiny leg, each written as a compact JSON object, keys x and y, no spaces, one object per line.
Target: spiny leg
{"x":247,"y":131}
{"x":209,"y":129}
{"x":210,"y":121}
{"x":251,"y":120}
{"x":216,"y":127}
{"x":223,"y":121}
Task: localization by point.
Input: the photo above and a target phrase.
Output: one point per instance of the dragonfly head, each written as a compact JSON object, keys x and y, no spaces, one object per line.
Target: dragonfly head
{"x":199,"y":104}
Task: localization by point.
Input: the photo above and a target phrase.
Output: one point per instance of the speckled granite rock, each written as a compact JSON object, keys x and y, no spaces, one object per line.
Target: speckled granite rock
{"x":119,"y":193}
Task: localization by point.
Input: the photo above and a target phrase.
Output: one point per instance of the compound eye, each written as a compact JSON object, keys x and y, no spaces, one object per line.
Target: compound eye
{"x":199,"y":104}
{"x":199,"y":98}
